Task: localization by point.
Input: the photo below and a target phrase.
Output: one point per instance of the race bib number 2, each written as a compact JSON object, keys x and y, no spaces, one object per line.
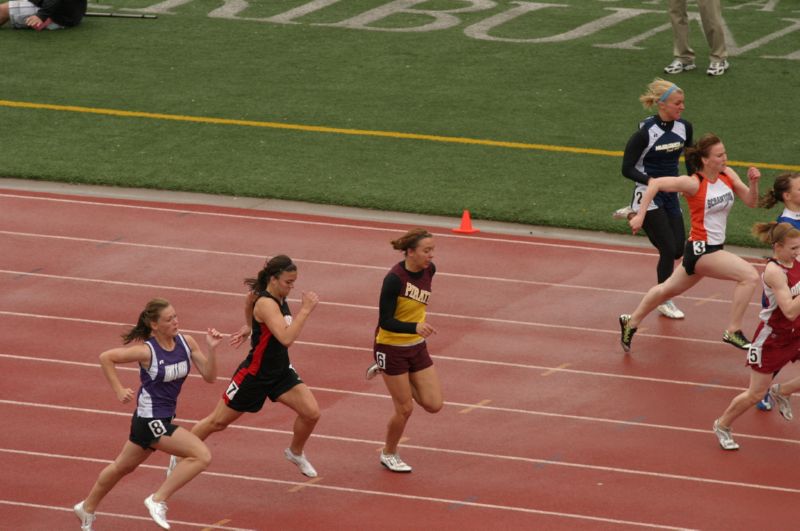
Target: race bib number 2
{"x":754,"y":356}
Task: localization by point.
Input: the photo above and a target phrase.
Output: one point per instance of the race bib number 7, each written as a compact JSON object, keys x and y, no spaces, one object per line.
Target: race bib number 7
{"x":230,"y":392}
{"x":754,"y":356}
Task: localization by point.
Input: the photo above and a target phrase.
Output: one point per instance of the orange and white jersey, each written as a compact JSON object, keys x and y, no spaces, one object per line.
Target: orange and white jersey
{"x":709,"y":209}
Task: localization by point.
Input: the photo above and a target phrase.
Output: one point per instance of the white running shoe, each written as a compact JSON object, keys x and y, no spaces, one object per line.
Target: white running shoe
{"x":158,"y":511}
{"x":394,"y":463}
{"x":717,"y":68}
{"x":784,"y":405}
{"x":625,"y":212}
{"x":173,"y":462}
{"x":668,"y":309}
{"x":373,"y":371}
{"x":677,"y":66}
{"x":86,"y":518}
{"x":301,"y":462}
{"x":724,"y":437}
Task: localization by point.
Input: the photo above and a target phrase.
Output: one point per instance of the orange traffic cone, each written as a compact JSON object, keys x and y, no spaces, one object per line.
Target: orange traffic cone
{"x":466,"y":224}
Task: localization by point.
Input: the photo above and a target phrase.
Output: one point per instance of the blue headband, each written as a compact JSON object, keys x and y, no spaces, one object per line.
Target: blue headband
{"x":669,"y":91}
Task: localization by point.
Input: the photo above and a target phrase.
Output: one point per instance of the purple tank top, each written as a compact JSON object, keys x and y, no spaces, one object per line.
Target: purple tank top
{"x":162,"y":382}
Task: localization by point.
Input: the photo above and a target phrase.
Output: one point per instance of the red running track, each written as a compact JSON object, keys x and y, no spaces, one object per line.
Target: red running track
{"x":547,"y":425}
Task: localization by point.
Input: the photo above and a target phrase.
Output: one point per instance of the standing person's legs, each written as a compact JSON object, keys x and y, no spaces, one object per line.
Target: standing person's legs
{"x":724,"y":265}
{"x":679,"y":18}
{"x":661,"y":233}
{"x":300,"y":399}
{"x":713,"y":27}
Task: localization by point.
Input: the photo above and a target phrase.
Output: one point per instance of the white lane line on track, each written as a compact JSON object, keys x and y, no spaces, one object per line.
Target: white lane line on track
{"x":459,"y":405}
{"x":350,"y":490}
{"x":482,"y":238}
{"x":342,"y":264}
{"x":102,"y":513}
{"x":559,"y":369}
{"x":435,"y":314}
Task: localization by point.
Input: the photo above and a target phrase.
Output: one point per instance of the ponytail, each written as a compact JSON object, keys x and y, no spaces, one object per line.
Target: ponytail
{"x":142,"y":330}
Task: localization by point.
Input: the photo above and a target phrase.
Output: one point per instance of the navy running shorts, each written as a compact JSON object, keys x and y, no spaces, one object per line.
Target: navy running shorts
{"x":146,"y":431}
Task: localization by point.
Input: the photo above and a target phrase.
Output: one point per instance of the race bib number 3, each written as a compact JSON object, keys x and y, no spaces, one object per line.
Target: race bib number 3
{"x":754,"y":356}
{"x":699,"y":248}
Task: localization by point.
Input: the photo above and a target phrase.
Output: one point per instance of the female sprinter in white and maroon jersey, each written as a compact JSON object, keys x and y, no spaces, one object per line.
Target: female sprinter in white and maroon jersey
{"x":400,"y":350}
{"x":164,"y":357}
{"x":776,"y":341}
{"x":267,"y":371}
{"x":710,"y":194}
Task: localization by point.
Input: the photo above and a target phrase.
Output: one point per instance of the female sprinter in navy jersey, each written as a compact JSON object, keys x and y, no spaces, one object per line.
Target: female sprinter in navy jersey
{"x":400,"y":350}
{"x":776,"y":342}
{"x":654,"y":151}
{"x":164,"y":357}
{"x":267,"y":371}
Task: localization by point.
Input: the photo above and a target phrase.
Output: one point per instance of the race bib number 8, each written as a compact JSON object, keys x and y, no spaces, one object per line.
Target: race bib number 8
{"x":381,"y":359}
{"x":157,"y":428}
{"x":754,"y":356}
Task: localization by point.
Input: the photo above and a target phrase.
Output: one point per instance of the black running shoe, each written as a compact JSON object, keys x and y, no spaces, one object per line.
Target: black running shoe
{"x":627,"y":332}
{"x":736,"y":339}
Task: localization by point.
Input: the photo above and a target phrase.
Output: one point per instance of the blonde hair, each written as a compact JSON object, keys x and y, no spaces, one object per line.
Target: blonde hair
{"x":656,"y":90}
{"x":773,"y":232}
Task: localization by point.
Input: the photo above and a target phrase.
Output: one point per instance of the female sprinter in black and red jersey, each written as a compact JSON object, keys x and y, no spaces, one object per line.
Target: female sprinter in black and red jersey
{"x":400,"y":350}
{"x":776,"y":341}
{"x":267,"y":371}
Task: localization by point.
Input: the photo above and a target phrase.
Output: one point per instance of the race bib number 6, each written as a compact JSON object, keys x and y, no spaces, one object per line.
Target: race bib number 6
{"x":754,"y":356}
{"x":381,"y":359}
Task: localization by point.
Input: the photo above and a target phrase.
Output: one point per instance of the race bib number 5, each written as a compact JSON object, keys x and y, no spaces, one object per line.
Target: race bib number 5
{"x":754,"y":356}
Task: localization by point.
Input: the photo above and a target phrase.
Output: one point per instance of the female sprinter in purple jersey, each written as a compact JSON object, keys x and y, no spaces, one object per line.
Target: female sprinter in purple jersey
{"x":164,"y":357}
{"x":776,"y":342}
{"x":267,"y":371}
{"x":400,"y":349}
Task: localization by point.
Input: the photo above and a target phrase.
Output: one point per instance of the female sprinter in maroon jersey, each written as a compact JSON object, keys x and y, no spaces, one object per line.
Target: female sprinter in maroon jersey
{"x":400,"y":350}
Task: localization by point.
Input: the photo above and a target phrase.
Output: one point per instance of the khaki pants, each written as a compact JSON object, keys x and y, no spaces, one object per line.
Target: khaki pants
{"x":711,"y":19}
